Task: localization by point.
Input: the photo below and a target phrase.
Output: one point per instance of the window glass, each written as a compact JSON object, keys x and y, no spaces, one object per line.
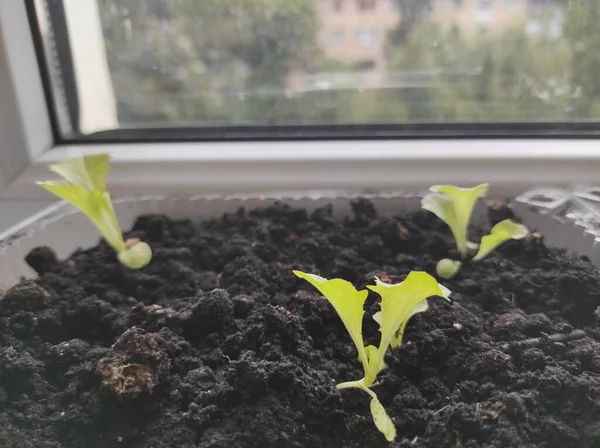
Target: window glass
{"x":118,"y":64}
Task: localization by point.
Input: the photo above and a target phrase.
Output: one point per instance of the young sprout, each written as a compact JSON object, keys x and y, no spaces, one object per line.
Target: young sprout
{"x":501,"y":232}
{"x":84,"y":187}
{"x":447,"y":268}
{"x":454,"y":206}
{"x":398,"y":304}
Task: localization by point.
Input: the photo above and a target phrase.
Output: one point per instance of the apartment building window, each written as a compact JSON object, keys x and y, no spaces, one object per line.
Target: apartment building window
{"x":367,"y":5}
{"x":484,"y":11}
{"x":485,"y":5}
{"x":337,"y":35}
{"x":366,"y":36}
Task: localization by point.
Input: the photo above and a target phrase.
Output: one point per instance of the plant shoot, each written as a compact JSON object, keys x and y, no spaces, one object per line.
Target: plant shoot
{"x":501,"y":232}
{"x":398,"y":304}
{"x":447,"y":268}
{"x":454,"y":205}
{"x":84,"y":187}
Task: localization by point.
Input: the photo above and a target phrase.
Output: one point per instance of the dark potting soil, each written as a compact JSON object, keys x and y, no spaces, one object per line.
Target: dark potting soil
{"x":217,"y":344}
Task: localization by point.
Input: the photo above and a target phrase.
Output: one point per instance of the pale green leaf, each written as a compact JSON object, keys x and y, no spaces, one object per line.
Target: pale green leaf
{"x":74,"y":172}
{"x":454,"y":206}
{"x":445,"y":291}
{"x":442,"y":207}
{"x":371,"y":352}
{"x":84,"y":187}
{"x":447,"y":268}
{"x":97,"y":167}
{"x":472,"y":246}
{"x":88,"y":172}
{"x":501,"y":232}
{"x":80,"y":198}
{"x":377,"y":318}
{"x":398,"y":302}
{"x":347,"y":302}
{"x":108,"y":225}
{"x":420,"y":307}
{"x":95,"y":205}
{"x":136,"y":256}
{"x":75,"y":195}
{"x":102,"y":215}
{"x":382,"y":420}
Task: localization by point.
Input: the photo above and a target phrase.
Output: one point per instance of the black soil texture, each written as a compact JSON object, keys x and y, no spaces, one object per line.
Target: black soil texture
{"x":216,"y":344}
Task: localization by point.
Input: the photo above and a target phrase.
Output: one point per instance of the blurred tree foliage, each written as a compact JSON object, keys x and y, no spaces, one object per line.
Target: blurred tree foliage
{"x":582,"y":31}
{"x":485,"y":77}
{"x":184,"y":60}
{"x":230,"y":62}
{"x":411,"y":13}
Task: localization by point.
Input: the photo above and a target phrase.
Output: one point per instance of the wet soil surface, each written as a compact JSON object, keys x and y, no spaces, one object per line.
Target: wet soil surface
{"x":216,"y":344}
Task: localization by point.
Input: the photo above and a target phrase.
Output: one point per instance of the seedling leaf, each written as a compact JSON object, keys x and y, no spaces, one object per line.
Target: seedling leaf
{"x":420,"y":307}
{"x":454,"y":206}
{"x":501,"y":232}
{"x":347,"y":302}
{"x":136,"y":256}
{"x":88,"y":172}
{"x":371,"y":351}
{"x":73,"y":194}
{"x":398,"y":303}
{"x":447,"y":268}
{"x":84,"y":187}
{"x":397,"y":339}
{"x":382,"y":420}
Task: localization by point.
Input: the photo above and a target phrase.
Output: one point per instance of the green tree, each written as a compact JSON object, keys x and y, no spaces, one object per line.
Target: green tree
{"x":583,"y":35}
{"x":411,"y":13}
{"x":190,"y":60}
{"x":153,"y":65}
{"x":271,"y":37}
{"x":483,"y":77}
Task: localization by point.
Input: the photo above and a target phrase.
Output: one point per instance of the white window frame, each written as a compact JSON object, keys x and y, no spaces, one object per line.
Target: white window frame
{"x":510,"y":165}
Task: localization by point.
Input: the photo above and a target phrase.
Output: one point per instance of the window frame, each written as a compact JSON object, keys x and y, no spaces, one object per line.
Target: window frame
{"x":365,"y":158}
{"x":28,"y":129}
{"x":165,"y":133}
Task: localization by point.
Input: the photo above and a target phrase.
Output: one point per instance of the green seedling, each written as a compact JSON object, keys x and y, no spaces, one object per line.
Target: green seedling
{"x":501,"y":232}
{"x":399,"y":303}
{"x":447,"y":268}
{"x":454,"y":206}
{"x":84,"y":187}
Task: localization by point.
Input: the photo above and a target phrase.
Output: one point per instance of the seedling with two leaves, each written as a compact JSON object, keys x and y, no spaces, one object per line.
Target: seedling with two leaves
{"x":399,"y":303}
{"x":454,"y":206}
{"x":84,"y":187}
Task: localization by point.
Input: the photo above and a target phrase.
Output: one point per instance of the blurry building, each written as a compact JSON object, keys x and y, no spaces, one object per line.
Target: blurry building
{"x":494,"y":16}
{"x":355,"y":31}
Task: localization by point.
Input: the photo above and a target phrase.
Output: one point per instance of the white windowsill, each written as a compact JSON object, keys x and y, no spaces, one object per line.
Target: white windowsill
{"x":510,"y":166}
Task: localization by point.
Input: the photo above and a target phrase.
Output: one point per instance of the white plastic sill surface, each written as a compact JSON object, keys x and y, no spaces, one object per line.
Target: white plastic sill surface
{"x":510,"y":166}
